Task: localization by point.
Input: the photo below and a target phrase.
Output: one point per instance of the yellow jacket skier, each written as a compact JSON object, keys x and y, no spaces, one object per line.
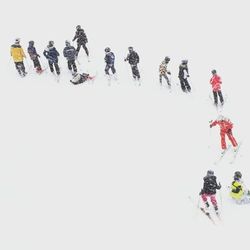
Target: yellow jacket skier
{"x":17,"y":53}
{"x":238,"y":192}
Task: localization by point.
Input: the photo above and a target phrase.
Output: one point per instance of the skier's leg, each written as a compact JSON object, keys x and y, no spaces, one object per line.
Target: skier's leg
{"x":160,"y":79}
{"x":187,"y":85}
{"x":182,"y":85}
{"x":74,"y":66}
{"x":57,"y":68}
{"x":231,"y":138}
{"x":86,"y":49}
{"x":78,"y":48}
{"x":214,"y":202}
{"x":69,"y":64}
{"x":204,"y":199}
{"x":166,"y":78}
{"x":37,"y":64}
{"x":18,"y":67}
{"x":113,"y":69}
{"x":133,"y":71}
{"x":215,"y":98}
{"x":107,"y":69}
{"x":136,"y":73}
{"x":51,"y":67}
{"x":223,"y":141}
{"x":221,"y":97}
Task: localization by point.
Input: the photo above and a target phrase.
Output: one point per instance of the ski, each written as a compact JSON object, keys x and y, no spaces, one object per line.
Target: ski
{"x":235,"y":153}
{"x":222,"y":155}
{"x":208,"y":215}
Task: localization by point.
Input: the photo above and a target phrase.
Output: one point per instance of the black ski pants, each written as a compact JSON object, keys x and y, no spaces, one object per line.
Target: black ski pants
{"x":135,"y":71}
{"x":108,"y":67}
{"x":72,"y":64}
{"x":37,"y":64}
{"x":185,"y":85}
{"x":20,"y":68}
{"x":52,"y":65}
{"x":84,"y":47}
{"x":216,"y":94}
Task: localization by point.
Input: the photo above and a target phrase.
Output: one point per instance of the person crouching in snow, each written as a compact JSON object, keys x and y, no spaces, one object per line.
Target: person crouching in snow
{"x":215,"y":81}
{"x":226,"y":127}
{"x":239,"y":193}
{"x":209,"y":190}
{"x":80,"y":78}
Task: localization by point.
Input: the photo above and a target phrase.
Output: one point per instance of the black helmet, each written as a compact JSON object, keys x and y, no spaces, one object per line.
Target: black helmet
{"x":210,"y":172}
{"x":67,"y":43}
{"x":214,"y":71}
{"x":237,"y":175}
{"x":78,"y":27}
{"x":130,"y":48}
{"x":51,"y":43}
{"x":31,"y":43}
{"x":184,"y":61}
{"x":167,"y":59}
{"x":107,"y":49}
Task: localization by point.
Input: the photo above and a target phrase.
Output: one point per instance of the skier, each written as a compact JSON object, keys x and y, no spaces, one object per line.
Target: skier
{"x":70,"y":53}
{"x":52,"y":55}
{"x":226,"y":127}
{"x":80,"y":78}
{"x":215,"y":81}
{"x":34,"y":57}
{"x":209,"y":190}
{"x":17,"y":53}
{"x":164,"y":71}
{"x":133,"y":59}
{"x":81,"y":40}
{"x":183,"y":75}
{"x":239,"y":193}
{"x":110,"y":61}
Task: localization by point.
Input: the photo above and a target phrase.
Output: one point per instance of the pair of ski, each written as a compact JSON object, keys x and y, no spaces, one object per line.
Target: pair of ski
{"x":235,"y":153}
{"x":205,"y":212}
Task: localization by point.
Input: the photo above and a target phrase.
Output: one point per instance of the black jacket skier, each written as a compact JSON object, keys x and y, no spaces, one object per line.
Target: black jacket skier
{"x":183,"y":75}
{"x":133,"y":59}
{"x":70,"y":53}
{"x":81,"y":39}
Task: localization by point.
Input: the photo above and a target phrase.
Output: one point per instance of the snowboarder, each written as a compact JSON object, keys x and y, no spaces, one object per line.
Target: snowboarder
{"x":34,"y":57}
{"x":215,"y":81}
{"x":80,"y":78}
{"x":110,"y":61}
{"x":81,"y":40}
{"x":70,"y":53}
{"x":17,"y":53}
{"x":209,"y":190}
{"x":183,"y":75}
{"x":238,"y":192}
{"x":226,"y":127}
{"x":52,"y":55}
{"x":164,"y":71}
{"x":133,"y":59}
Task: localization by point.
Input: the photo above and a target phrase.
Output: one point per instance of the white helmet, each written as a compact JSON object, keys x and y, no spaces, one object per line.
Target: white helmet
{"x":17,"y":40}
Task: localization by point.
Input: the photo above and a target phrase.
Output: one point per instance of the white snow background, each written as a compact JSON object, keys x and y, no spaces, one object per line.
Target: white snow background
{"x":96,"y":167}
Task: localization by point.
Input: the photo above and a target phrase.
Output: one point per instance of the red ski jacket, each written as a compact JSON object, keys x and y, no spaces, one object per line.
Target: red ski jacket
{"x":224,"y":125}
{"x":215,"y":81}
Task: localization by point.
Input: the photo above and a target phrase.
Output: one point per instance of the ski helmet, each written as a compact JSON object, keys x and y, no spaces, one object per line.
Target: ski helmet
{"x":184,"y":61}
{"x":130,"y":48}
{"x":51,"y":43}
{"x":67,"y":43}
{"x":237,"y":175}
{"x":107,"y":49}
{"x":210,"y":172}
{"x":17,"y":40}
{"x":167,"y":59}
{"x":78,"y":27}
{"x":31,"y":43}
{"x":214,"y":71}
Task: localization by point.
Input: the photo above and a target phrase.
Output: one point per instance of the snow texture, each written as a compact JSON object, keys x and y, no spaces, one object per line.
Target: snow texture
{"x":111,"y":167}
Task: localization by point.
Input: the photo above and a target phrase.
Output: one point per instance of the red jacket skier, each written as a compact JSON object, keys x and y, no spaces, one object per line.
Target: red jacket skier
{"x":225,"y":129}
{"x":215,"y":81}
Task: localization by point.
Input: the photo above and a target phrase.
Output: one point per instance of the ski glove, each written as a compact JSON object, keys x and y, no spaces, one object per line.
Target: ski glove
{"x":219,"y":186}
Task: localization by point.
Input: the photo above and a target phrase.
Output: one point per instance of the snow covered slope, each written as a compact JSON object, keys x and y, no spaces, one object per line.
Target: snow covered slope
{"x":99,"y":167}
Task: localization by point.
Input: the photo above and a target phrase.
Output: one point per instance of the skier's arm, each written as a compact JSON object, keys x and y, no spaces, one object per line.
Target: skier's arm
{"x":22,"y":52}
{"x":64,"y":53}
{"x":214,"y":123}
{"x":137,"y":58}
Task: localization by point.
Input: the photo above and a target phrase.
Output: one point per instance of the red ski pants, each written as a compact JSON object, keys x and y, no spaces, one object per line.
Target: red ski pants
{"x":230,"y":137}
{"x":212,"y":198}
